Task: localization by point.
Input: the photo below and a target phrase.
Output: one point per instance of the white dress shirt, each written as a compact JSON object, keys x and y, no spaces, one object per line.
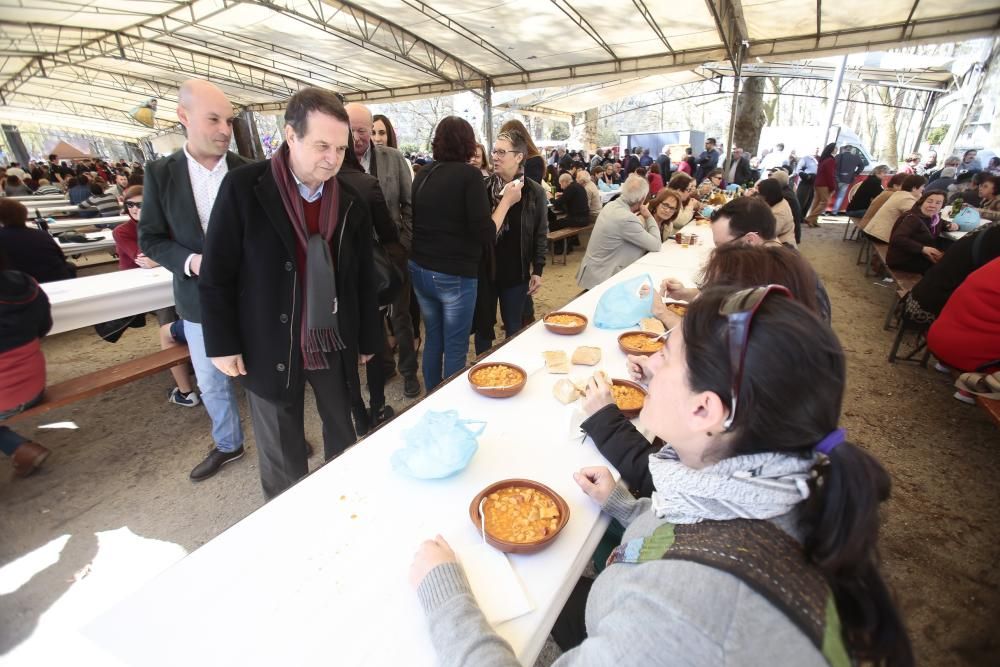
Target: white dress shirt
{"x":205,"y":187}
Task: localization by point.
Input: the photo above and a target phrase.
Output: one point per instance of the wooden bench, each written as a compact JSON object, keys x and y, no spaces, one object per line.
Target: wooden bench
{"x":563,"y":235}
{"x":106,"y":379}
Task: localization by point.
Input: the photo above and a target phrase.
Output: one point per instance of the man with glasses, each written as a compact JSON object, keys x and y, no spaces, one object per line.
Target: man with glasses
{"x":389,"y":166}
{"x":746,"y":220}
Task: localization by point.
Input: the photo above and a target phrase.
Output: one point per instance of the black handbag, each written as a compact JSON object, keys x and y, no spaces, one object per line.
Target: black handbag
{"x":388,"y":276}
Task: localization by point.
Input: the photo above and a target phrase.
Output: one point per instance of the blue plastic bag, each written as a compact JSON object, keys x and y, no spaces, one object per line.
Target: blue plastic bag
{"x":440,"y":445}
{"x":733,"y":187}
{"x":967,"y":219}
{"x":623,"y":306}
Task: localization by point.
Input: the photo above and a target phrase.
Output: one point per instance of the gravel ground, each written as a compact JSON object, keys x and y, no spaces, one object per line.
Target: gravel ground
{"x":127,"y":464}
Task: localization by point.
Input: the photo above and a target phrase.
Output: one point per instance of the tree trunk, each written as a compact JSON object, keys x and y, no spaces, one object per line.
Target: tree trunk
{"x":750,"y":116}
{"x":889,"y":154}
{"x":584,"y":129}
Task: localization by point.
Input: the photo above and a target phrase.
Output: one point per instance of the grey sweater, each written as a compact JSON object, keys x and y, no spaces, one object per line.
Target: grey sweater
{"x":667,"y":612}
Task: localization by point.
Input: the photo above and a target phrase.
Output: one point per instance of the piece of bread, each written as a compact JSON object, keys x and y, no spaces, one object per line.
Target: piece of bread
{"x":587,"y":356}
{"x":556,"y":362}
{"x":651,"y":324}
{"x":565,"y":391}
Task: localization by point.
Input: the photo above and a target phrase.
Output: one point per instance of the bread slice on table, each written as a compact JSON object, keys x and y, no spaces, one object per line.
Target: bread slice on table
{"x":587,"y":356}
{"x":566,"y":391}
{"x":556,"y":362}
{"x":652,"y":325}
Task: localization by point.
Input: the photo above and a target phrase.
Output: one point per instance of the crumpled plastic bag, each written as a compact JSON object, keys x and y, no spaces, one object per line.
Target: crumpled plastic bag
{"x":440,"y":445}
{"x":623,"y":305}
{"x":967,"y":219}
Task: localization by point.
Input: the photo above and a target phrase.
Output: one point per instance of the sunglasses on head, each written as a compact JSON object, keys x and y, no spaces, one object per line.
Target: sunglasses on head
{"x":739,"y":309}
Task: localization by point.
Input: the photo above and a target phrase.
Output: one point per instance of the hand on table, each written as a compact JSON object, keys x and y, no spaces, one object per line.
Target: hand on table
{"x":534,"y":284}
{"x":430,"y":554}
{"x":638,"y":368}
{"x":596,"y":395}
{"x":231,"y":365}
{"x":596,"y":482}
{"x":146,"y":262}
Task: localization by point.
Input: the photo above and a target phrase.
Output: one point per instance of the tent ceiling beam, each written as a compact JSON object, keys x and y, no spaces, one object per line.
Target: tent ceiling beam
{"x":651,"y":22}
{"x":566,"y":8}
{"x":460,"y":29}
{"x":82,"y":109}
{"x":728,"y":17}
{"x":404,"y":47}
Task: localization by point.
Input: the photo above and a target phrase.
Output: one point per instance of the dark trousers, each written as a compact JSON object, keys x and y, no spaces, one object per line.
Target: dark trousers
{"x":280,"y":430}
{"x":804,"y":193}
{"x":511,"y":311}
{"x":570,"y":628}
{"x":402,"y":328}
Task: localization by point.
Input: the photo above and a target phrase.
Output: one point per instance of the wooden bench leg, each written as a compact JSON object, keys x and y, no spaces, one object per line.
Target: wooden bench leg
{"x":891,"y":315}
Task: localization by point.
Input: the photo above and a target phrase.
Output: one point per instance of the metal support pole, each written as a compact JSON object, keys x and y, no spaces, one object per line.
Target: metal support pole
{"x":838,"y":80}
{"x":488,"y":114}
{"x":932,"y":99}
{"x":737,"y":70}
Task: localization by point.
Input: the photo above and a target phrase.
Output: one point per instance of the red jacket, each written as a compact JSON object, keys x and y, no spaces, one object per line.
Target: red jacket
{"x":826,"y":174}
{"x":966,"y":335}
{"x":126,"y":238}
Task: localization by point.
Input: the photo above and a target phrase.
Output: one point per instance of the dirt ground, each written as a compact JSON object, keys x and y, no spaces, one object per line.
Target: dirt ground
{"x":126,"y":464}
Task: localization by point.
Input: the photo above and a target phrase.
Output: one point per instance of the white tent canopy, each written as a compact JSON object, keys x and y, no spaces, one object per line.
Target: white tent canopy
{"x":94,"y":61}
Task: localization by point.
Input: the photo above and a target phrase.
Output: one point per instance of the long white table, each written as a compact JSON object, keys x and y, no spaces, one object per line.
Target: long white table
{"x":45,"y":209}
{"x":103,"y":240}
{"x":318,"y":576}
{"x":41,"y":199}
{"x":84,"y":302}
{"x":77,"y":223}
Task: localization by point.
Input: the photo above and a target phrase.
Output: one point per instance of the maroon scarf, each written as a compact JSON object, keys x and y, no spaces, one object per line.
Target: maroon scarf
{"x":320,"y":330}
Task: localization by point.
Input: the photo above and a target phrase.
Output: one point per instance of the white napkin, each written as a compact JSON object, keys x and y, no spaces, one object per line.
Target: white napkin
{"x":497,"y":589}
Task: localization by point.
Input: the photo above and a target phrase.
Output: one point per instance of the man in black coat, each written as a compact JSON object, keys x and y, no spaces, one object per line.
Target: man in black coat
{"x":288,"y":287}
{"x":178,"y":194}
{"x":739,"y":171}
{"x":707,"y":161}
{"x":31,"y":251}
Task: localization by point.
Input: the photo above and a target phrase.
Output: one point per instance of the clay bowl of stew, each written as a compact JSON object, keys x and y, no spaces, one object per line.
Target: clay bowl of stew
{"x":517,"y":502}
{"x":629,"y":397}
{"x":640,"y":342}
{"x":565,"y":323}
{"x":496,"y":379}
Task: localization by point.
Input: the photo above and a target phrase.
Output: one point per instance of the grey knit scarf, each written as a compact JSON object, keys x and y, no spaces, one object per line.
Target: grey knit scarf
{"x":753,"y":486}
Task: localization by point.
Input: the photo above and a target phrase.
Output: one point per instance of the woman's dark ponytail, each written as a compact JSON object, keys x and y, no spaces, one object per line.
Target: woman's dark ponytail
{"x":841,"y":522}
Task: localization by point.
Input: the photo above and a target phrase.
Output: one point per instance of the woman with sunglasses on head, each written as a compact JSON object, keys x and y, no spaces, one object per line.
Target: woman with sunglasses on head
{"x":711,"y":184}
{"x":759,"y":544}
{"x":511,"y":269}
{"x":126,"y":238}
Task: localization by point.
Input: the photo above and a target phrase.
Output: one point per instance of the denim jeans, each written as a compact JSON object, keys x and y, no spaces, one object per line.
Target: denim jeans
{"x":842,"y":189}
{"x":447,"y":304}
{"x":217,"y":392}
{"x":10,"y":440}
{"x":511,"y":312}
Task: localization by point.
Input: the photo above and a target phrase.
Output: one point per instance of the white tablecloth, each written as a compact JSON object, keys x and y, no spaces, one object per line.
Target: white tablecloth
{"x":77,"y":223}
{"x":318,"y":576}
{"x":44,"y":209}
{"x":104,"y":241}
{"x":83,"y":302}
{"x":48,"y":200}
{"x":606,"y":195}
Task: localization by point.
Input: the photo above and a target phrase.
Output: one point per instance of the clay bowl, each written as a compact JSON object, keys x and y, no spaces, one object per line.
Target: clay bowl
{"x":517,"y":547}
{"x":562,"y":329}
{"x":498,"y":392}
{"x":630,"y":414}
{"x":629,"y":349}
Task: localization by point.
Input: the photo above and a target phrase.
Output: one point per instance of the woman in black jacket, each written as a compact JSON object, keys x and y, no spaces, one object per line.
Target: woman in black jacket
{"x":870,"y":188}
{"x":386,"y":236}
{"x":513,"y":270}
{"x":913,"y":243}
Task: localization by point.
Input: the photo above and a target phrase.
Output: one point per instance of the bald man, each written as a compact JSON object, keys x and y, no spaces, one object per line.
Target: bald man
{"x":394,"y":177}
{"x":179,"y":193}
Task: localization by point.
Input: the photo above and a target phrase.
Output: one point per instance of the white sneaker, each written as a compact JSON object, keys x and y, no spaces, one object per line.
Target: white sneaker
{"x":965,"y":398}
{"x":189,"y":400}
{"x":941,"y":368}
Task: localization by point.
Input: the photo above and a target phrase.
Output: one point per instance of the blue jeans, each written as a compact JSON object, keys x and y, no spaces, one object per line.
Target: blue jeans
{"x":842,"y":189}
{"x":447,"y":303}
{"x":10,"y":440}
{"x":511,"y":312}
{"x":217,"y":392}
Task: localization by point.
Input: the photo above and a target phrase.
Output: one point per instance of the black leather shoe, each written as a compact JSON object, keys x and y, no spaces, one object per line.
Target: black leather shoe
{"x":213,"y":462}
{"x":411,"y":387}
{"x":383,"y":415}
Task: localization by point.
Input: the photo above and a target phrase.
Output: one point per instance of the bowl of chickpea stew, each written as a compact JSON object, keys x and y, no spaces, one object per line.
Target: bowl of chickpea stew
{"x":497,"y":379}
{"x":521,"y":516}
